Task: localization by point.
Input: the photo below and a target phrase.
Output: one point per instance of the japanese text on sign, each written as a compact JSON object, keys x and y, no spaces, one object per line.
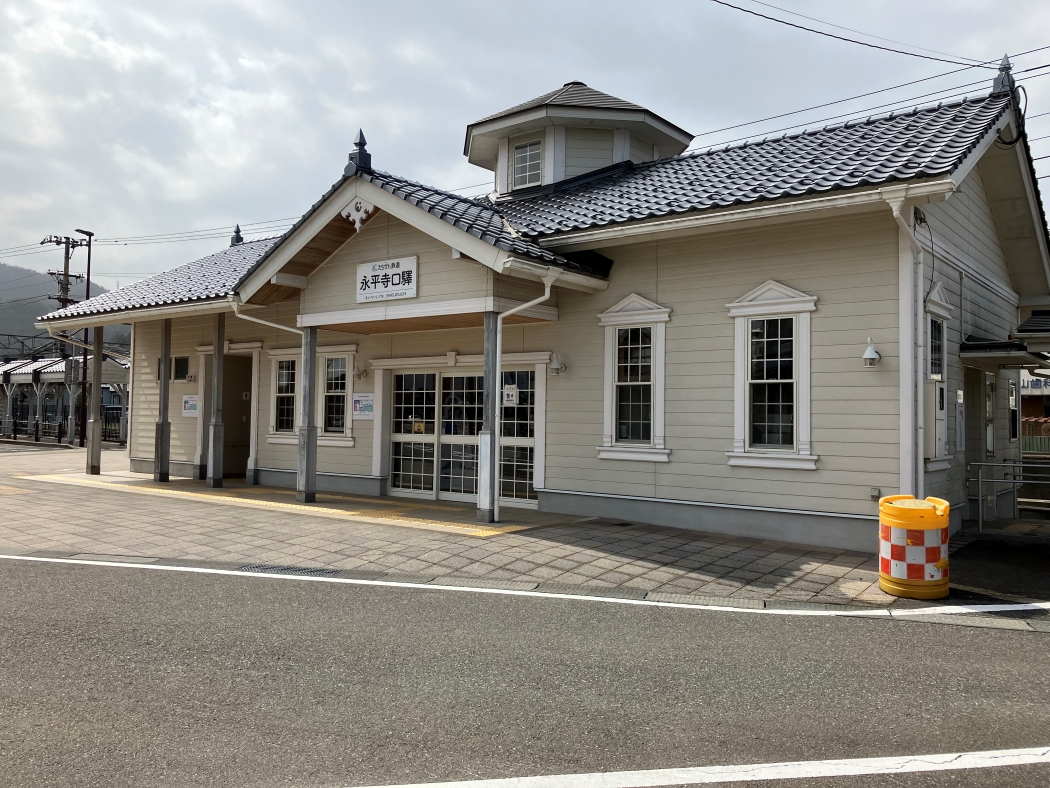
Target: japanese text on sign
{"x":387,"y":279}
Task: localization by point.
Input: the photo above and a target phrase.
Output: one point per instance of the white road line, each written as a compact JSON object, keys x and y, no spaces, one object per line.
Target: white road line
{"x":705,"y":775}
{"x":852,"y":613}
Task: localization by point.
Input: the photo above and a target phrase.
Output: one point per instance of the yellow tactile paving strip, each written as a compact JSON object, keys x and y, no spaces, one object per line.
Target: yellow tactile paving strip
{"x":376,"y":511}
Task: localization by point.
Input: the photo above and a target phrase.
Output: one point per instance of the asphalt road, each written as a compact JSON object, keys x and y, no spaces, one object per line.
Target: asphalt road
{"x":131,"y":677}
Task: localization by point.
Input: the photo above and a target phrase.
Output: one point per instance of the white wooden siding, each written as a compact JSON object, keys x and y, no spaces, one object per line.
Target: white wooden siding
{"x":966,"y":221}
{"x":641,"y":150}
{"x":586,"y":150}
{"x":849,"y":264}
{"x":333,"y":286}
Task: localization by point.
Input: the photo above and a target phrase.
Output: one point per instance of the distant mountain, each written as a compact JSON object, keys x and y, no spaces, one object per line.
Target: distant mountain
{"x":23,"y":298}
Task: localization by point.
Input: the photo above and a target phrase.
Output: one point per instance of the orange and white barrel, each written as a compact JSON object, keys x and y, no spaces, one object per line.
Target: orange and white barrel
{"x":913,"y":546}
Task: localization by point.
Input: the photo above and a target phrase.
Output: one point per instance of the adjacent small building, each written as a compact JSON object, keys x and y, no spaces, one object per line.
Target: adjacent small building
{"x":755,"y":339}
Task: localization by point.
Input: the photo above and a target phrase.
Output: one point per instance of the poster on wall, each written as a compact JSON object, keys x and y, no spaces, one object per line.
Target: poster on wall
{"x":189,"y":405}
{"x":363,"y":406}
{"x":386,"y":280}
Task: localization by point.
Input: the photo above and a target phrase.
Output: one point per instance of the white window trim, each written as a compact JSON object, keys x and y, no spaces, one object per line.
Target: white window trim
{"x":513,"y":155}
{"x":773,"y":299}
{"x":937,"y":308}
{"x":323,"y":439}
{"x":346,"y":438}
{"x":635,"y":311}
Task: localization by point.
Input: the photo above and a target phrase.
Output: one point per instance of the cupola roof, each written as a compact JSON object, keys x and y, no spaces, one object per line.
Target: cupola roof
{"x":573,"y":104}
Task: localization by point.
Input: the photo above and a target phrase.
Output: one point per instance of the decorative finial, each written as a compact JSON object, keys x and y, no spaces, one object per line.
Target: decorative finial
{"x":360,"y":158}
{"x":236,"y":238}
{"x":1004,"y":81}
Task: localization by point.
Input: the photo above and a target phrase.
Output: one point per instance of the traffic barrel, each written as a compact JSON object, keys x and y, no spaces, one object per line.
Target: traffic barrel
{"x":913,"y":546}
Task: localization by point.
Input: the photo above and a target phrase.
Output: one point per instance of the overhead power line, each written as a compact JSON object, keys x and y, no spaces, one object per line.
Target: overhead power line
{"x":870,"y":110}
{"x":840,"y":38}
{"x":861,"y":32}
{"x":858,"y":96}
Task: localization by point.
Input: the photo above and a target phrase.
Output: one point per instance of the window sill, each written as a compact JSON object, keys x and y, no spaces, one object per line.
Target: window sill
{"x":635,"y":453}
{"x":347,"y":441}
{"x":749,"y":459}
{"x":939,"y":463}
{"x":292,"y":439}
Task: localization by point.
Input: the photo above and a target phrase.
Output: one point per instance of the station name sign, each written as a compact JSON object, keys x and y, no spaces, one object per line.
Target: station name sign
{"x":387,"y":280}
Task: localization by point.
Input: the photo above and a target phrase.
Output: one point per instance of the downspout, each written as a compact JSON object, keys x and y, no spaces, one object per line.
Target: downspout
{"x":918,"y":341}
{"x":548,"y":280}
{"x":237,"y":311}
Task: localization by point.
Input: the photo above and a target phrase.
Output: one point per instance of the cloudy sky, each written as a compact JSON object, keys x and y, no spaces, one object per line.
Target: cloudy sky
{"x":139,"y":119}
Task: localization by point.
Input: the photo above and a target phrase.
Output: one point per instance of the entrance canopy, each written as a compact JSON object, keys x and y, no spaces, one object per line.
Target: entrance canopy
{"x":993,"y":354}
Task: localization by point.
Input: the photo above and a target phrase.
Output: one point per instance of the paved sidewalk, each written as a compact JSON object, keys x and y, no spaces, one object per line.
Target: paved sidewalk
{"x":104,"y":521}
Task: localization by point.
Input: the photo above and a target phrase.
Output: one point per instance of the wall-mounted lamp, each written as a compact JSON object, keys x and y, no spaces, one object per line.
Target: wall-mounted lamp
{"x":871,"y":355}
{"x":359,"y":373}
{"x":556,"y":367}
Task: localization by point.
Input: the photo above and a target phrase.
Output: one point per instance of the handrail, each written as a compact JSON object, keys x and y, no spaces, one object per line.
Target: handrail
{"x":1015,"y":480}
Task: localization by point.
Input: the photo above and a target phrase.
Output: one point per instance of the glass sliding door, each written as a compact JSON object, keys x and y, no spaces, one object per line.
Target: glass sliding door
{"x":413,"y":432}
{"x":462,"y":398}
{"x":436,"y":419}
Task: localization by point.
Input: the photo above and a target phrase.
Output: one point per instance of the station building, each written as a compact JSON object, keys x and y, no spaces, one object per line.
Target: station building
{"x":756,"y":339}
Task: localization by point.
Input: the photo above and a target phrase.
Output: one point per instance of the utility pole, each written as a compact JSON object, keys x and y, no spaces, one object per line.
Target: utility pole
{"x":63,"y":278}
{"x":83,"y":378}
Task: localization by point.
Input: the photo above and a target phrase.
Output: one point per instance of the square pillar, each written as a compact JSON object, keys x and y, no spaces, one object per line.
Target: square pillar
{"x":94,"y":432}
{"x":216,"y":434}
{"x":306,"y":476}
{"x":162,"y":433}
{"x":487,"y":462}
{"x":9,"y":413}
{"x":38,"y":402}
{"x":125,"y":390}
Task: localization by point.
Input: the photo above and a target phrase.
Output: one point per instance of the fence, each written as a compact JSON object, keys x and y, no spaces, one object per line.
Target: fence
{"x":1035,"y":435}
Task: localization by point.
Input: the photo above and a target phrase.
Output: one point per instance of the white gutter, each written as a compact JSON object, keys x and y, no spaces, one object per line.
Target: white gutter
{"x":237,"y":311}
{"x":78,"y":343}
{"x":633,"y":232}
{"x":548,"y":280}
{"x":135,"y":315}
{"x":896,"y":202}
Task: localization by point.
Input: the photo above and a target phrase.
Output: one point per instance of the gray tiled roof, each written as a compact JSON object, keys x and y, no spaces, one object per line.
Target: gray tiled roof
{"x":478,"y":218}
{"x":921,"y":143}
{"x":214,"y":276}
{"x":571,"y":94}
{"x":1038,"y":323}
{"x":915,"y":144}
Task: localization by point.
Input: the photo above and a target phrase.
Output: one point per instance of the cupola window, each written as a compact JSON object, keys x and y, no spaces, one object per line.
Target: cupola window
{"x":527,"y":166}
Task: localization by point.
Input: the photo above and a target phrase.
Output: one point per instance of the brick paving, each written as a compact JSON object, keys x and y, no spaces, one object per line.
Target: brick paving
{"x":595,"y":554}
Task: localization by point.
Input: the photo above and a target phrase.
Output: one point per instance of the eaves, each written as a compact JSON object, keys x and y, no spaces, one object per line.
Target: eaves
{"x":133,"y":315}
{"x":780,"y":211}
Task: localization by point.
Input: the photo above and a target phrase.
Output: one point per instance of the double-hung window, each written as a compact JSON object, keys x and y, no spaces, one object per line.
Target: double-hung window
{"x":331,"y":394}
{"x":527,"y":164}
{"x":771,"y":401}
{"x":333,"y":417}
{"x":936,"y":349}
{"x":284,"y":401}
{"x":771,"y":383}
{"x":635,"y":332}
{"x":634,"y":384}
{"x":335,"y":394}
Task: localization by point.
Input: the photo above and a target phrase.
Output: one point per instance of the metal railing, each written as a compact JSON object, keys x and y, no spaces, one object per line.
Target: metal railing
{"x":1012,"y":477}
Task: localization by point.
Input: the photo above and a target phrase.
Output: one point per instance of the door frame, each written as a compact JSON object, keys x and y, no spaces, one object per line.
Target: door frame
{"x":462,"y":364}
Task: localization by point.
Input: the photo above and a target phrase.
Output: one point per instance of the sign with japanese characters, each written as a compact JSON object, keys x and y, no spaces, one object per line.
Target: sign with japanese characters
{"x":387,"y":279}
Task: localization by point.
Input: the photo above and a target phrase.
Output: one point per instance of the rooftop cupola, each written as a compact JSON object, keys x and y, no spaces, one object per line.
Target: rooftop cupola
{"x":566,"y":133}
